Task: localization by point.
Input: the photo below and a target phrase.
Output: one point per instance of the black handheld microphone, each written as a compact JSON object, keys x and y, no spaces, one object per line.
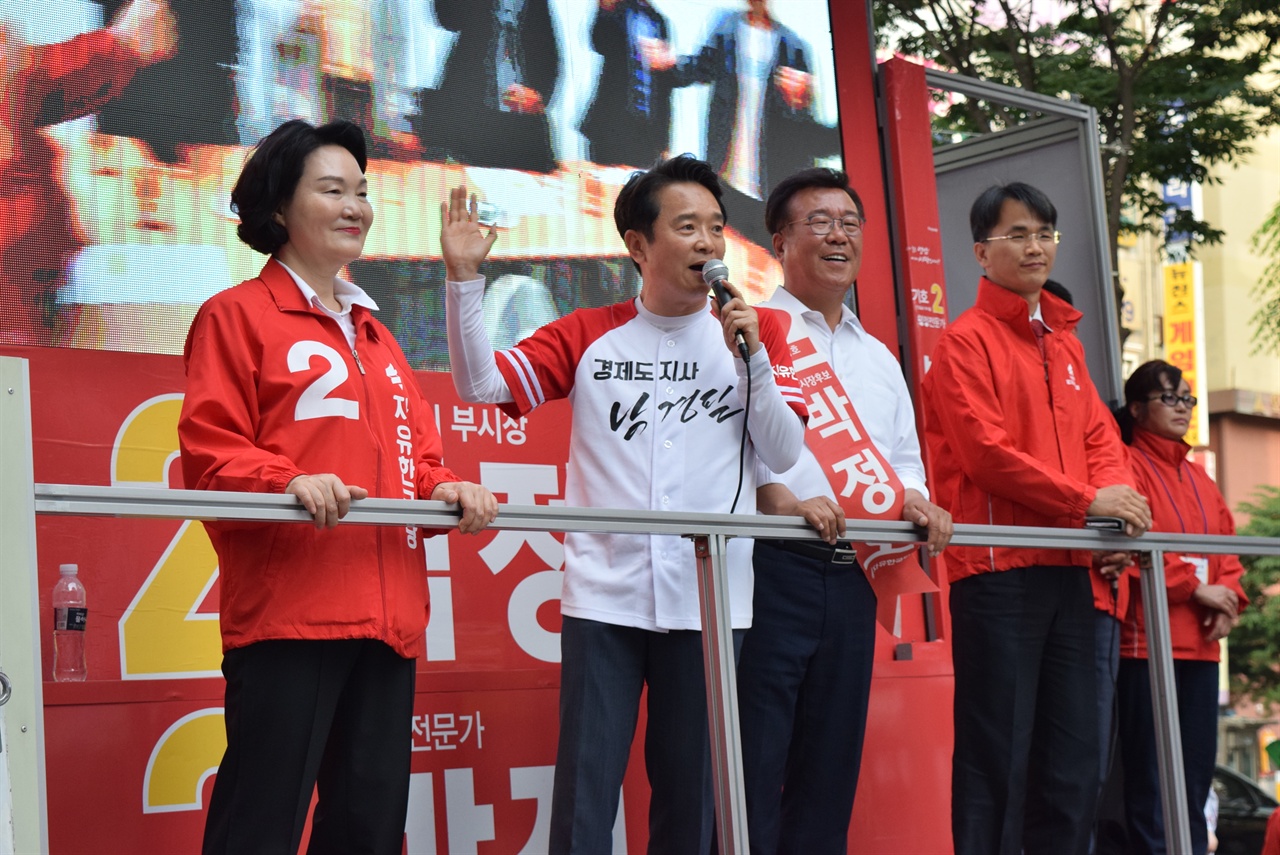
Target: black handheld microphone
{"x":715,"y":273}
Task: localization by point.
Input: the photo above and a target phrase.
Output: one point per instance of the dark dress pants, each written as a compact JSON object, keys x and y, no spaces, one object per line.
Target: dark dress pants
{"x":330,"y":715}
{"x":804,"y":680}
{"x":1025,"y":768}
{"x":1197,"y":686}
{"x":603,"y":669}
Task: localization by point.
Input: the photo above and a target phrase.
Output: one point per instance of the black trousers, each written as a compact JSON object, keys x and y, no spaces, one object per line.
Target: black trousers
{"x":804,"y":680}
{"x":1025,"y":769}
{"x":330,"y":715}
{"x":1197,"y":688}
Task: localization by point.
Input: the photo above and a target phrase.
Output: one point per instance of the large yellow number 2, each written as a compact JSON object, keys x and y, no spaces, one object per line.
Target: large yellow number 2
{"x":161,"y":634}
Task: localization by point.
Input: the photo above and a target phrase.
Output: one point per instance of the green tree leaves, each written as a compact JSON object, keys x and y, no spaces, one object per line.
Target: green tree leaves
{"x":1254,"y":649}
{"x":1178,"y":85}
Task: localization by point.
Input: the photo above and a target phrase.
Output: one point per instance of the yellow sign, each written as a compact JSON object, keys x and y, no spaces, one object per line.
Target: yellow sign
{"x":1182,"y":334}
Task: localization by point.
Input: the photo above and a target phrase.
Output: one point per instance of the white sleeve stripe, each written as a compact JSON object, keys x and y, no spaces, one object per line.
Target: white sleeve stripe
{"x":524,"y":373}
{"x":522,"y":359}
{"x":790,"y":391}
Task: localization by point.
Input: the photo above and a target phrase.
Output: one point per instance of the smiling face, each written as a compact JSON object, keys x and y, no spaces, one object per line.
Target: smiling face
{"x":688,"y":232}
{"x":817,"y":266}
{"x":1020,"y":269}
{"x":1161,"y":419}
{"x":329,"y":215}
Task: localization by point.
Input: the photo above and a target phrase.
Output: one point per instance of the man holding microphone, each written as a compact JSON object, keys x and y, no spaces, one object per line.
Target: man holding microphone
{"x":660,"y":403}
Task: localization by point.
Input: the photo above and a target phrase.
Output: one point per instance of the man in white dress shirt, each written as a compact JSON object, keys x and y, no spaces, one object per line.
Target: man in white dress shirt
{"x":804,"y":677}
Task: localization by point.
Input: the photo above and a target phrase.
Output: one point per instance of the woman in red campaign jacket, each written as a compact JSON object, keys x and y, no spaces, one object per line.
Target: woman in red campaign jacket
{"x":294,"y":387}
{"x":1205,"y":600}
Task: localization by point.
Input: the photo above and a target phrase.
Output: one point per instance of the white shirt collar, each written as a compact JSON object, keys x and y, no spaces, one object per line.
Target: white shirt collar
{"x":784,"y":299}
{"x":667,"y":323}
{"x":1037,"y":315}
{"x":347,"y":294}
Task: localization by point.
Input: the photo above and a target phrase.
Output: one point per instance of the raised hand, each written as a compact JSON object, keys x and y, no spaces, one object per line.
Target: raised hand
{"x":462,"y":243}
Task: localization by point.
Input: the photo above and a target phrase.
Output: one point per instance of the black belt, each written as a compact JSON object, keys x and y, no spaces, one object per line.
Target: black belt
{"x":842,"y":553}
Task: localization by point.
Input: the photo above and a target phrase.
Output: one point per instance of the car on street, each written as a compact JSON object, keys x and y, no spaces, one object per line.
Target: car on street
{"x":1243,"y":809}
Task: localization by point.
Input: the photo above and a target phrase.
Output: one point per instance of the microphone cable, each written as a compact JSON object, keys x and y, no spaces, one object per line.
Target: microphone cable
{"x":742,"y":444}
{"x":714,"y":274}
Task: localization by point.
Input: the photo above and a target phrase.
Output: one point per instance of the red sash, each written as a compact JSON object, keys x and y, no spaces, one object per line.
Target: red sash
{"x":865,"y":485}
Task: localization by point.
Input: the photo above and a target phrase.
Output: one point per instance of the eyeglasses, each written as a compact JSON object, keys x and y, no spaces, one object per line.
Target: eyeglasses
{"x":1021,"y":238}
{"x":1171,"y":400}
{"x":851,"y":226}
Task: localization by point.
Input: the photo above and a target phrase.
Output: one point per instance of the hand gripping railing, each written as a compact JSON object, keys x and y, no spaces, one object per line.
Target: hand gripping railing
{"x":710,"y":533}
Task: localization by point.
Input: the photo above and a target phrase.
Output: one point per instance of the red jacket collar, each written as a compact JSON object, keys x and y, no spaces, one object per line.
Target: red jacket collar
{"x":288,"y":295}
{"x":284,"y":290}
{"x":1059,"y":315}
{"x":1170,"y":451}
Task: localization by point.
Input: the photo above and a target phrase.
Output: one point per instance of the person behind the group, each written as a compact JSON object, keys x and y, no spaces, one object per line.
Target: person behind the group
{"x":804,"y":676}
{"x":499,"y":79}
{"x":1018,"y":436}
{"x":760,"y":124}
{"x":294,"y":387}
{"x":659,"y":396}
{"x":629,"y":121}
{"x":1205,"y":601}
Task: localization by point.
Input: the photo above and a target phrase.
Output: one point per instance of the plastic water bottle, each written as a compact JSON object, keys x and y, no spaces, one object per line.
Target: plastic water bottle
{"x":69,"y":618}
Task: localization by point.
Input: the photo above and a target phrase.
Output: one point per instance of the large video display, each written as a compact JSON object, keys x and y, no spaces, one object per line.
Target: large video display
{"x":125,"y":124}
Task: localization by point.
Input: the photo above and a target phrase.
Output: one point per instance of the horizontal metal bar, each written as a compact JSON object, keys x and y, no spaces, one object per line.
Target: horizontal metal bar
{"x":153,"y":502}
{"x":1008,"y":95}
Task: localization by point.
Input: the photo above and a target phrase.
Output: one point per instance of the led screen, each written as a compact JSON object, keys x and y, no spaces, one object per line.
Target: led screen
{"x":125,"y":124}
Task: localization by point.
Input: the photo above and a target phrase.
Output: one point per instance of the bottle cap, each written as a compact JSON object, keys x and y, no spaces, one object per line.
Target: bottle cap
{"x":69,"y":569}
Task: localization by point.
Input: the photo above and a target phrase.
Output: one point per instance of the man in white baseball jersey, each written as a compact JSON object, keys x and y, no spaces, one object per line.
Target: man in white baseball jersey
{"x":659,"y":398}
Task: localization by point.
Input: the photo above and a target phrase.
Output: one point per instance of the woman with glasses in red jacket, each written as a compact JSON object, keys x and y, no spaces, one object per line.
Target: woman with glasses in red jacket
{"x":1205,"y":601}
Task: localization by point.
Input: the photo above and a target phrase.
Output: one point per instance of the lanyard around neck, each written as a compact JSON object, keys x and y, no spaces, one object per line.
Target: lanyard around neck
{"x":1155,"y":471}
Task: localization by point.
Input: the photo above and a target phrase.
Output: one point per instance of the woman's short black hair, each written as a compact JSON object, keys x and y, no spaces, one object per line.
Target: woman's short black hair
{"x":271,"y":174}
{"x":776,"y":206}
{"x":985,"y":213}
{"x":1149,"y":378}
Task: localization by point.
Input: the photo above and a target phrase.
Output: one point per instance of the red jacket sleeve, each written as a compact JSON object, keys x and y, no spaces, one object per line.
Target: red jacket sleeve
{"x":1229,"y":569}
{"x":969,"y":414}
{"x":220,"y":412}
{"x":1105,"y":449}
{"x":1271,"y":843}
{"x":1179,"y":578}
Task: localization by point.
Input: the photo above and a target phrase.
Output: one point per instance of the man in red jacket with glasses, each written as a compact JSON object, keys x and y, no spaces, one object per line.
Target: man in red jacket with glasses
{"x":1018,"y":436}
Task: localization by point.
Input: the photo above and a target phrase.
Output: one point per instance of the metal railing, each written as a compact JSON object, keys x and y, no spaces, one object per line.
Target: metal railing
{"x":711,"y":533}
{"x":21,"y":500}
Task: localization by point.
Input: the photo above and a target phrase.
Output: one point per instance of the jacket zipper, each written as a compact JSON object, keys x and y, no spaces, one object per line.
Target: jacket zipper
{"x":382,"y":570}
